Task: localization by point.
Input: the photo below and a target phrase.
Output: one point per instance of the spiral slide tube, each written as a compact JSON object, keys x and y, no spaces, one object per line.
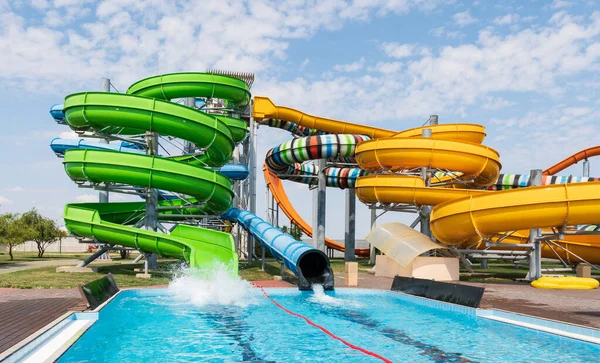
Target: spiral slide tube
{"x":460,"y":216}
{"x":134,"y":113}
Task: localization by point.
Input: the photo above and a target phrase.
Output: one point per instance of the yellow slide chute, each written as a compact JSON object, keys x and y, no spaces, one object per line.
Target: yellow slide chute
{"x":460,"y":216}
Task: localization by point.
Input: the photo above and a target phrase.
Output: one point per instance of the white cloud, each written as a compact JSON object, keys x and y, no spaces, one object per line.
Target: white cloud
{"x":438,"y":32}
{"x":71,"y":135}
{"x":388,"y":67}
{"x":558,"y":4}
{"x":5,"y":201}
{"x":86,"y":198}
{"x":40,"y":4}
{"x":464,"y":18}
{"x":441,"y":31}
{"x":128,"y":40}
{"x":305,"y":62}
{"x":507,"y":19}
{"x":397,"y":50}
{"x":496,"y":103}
{"x":17,"y":189}
{"x":352,"y":67}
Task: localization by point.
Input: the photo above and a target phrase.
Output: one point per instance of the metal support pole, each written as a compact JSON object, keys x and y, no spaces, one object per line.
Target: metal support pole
{"x":151,"y":218}
{"x":321,"y":207}
{"x":425,"y":210}
{"x":349,"y":236}
{"x":252,"y":181}
{"x":586,"y":168}
{"x":188,"y":147}
{"x":101,"y":250}
{"x":104,"y":87}
{"x":103,"y":196}
{"x":535,"y":257}
{"x":373,"y":251}
{"x":138,"y":258}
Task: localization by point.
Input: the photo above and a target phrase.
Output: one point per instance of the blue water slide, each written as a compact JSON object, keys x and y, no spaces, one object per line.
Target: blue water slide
{"x":57,"y":113}
{"x":235,"y":171}
{"x":59,"y":146}
{"x":308,"y":263}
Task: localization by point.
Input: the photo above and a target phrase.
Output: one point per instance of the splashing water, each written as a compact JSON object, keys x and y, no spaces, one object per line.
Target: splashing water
{"x":212,"y":286}
{"x":321,"y":298}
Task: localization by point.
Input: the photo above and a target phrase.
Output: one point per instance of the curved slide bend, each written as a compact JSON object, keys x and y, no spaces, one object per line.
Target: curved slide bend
{"x":573,"y":159}
{"x":460,"y":216}
{"x":275,"y":186}
{"x":133,"y":113}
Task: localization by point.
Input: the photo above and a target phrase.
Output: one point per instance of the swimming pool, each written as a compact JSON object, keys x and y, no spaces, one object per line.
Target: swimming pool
{"x":153,"y":325}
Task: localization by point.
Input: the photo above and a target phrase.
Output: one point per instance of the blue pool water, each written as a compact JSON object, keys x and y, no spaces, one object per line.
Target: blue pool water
{"x":157,"y":326}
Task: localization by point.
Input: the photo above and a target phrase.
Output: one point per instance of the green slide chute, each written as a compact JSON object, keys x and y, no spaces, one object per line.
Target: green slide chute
{"x":146,"y":107}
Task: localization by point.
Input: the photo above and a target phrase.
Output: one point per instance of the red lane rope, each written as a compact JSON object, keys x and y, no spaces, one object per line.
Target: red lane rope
{"x":367,"y":352}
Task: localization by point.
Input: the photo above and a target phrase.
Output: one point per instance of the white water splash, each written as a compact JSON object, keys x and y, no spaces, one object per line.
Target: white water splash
{"x":321,"y":298}
{"x":214,"y":286}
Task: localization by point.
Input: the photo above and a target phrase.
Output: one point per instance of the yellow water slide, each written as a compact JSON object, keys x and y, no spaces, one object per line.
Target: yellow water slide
{"x":462,"y":214}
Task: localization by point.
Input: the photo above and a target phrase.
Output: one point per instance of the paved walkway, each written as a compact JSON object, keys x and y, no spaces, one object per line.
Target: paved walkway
{"x":23,"y":312}
{"x":28,"y":265}
{"x":581,"y":307}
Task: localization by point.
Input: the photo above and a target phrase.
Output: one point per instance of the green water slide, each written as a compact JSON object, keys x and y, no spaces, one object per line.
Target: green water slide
{"x":146,"y":107}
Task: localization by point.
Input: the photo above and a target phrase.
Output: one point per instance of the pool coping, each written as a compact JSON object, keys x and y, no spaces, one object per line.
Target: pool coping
{"x":53,"y":330}
{"x":558,"y":328}
{"x":13,"y":353}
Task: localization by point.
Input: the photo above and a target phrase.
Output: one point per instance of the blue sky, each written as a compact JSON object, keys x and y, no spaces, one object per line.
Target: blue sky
{"x":528,"y":71}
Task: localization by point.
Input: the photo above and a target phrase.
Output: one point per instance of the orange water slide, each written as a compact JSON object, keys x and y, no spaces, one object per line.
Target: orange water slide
{"x":276,"y":187}
{"x":573,"y":159}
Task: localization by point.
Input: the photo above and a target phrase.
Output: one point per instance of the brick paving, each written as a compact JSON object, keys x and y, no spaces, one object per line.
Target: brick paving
{"x":23,"y":312}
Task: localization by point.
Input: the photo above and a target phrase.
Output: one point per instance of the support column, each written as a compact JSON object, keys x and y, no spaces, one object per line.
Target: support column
{"x":349,"y":235}
{"x":586,"y":168}
{"x":535,"y":256}
{"x":104,"y":87}
{"x":188,"y":147}
{"x":373,"y":251}
{"x":319,"y":228}
{"x":103,"y":195}
{"x":151,"y":218}
{"x":252,"y":186}
{"x":425,"y":210}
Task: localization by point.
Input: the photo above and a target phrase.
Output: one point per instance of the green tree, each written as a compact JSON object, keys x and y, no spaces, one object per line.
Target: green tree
{"x":295,"y":231}
{"x":45,"y":230}
{"x":14,"y":231}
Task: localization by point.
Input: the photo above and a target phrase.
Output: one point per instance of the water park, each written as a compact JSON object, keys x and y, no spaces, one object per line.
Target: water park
{"x":493,"y":267}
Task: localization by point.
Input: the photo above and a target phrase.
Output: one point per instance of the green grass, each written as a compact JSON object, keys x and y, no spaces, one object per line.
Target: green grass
{"x":32,"y":256}
{"x":338,"y":266}
{"x":48,"y":278}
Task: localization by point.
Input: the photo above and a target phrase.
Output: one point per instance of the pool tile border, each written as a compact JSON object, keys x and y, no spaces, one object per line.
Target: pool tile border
{"x":554,"y":327}
{"x":578,"y":332}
